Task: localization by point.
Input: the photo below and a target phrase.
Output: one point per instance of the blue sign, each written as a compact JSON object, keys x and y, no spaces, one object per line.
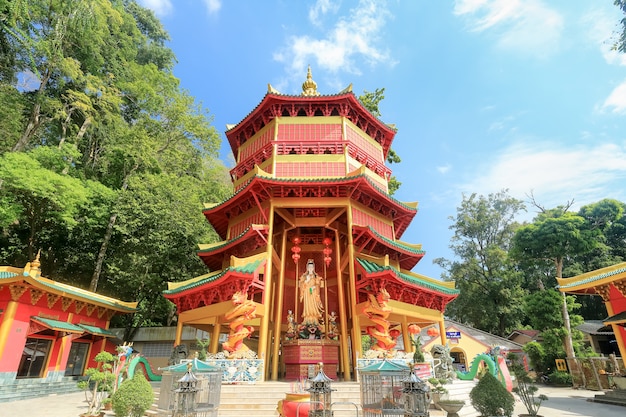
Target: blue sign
{"x":453,"y":335}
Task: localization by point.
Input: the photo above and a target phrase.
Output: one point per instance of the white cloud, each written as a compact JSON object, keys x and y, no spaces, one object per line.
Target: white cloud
{"x":554,"y":173}
{"x":355,"y":35}
{"x":600,"y":27}
{"x":616,"y":101}
{"x":443,"y":169}
{"x":159,"y":7}
{"x":322,"y":7}
{"x":213,"y":6}
{"x":527,"y":26}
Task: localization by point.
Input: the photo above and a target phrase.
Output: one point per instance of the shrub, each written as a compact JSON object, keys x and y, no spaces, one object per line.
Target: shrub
{"x":133,"y":397}
{"x":489,"y":396}
{"x":99,"y":383}
{"x":527,"y":390}
{"x":560,"y":378}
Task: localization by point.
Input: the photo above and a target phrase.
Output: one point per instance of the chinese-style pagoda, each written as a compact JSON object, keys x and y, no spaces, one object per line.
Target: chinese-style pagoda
{"x":310,"y":258}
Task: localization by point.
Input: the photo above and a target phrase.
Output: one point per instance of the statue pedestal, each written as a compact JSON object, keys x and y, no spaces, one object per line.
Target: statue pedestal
{"x":302,"y":355}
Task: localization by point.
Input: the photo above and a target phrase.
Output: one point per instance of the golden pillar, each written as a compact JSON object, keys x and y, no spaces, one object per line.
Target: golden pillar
{"x":280,"y":287}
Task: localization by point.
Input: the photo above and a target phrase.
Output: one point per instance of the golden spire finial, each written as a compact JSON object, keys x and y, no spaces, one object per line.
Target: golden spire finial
{"x":36,"y":264}
{"x":309,"y":87}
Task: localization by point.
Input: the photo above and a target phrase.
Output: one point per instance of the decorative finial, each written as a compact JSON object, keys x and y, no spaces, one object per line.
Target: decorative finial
{"x":309,"y":87}
{"x":36,"y":264}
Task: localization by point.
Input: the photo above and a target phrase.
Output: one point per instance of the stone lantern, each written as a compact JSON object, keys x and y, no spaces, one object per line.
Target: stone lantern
{"x":320,"y":401}
{"x":416,"y":401}
{"x":185,"y":401}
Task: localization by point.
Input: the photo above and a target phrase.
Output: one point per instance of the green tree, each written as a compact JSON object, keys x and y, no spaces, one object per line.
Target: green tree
{"x":483,"y":229}
{"x":105,"y":160}
{"x":553,"y":236}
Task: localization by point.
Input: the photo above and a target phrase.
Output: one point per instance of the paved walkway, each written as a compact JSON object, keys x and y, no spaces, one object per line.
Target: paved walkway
{"x":562,"y":402}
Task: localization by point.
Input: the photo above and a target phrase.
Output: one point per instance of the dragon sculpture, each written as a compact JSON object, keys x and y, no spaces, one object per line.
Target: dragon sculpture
{"x":242,"y":311}
{"x":378,"y":311}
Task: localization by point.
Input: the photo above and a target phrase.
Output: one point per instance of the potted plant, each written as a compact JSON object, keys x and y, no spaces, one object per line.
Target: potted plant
{"x":451,"y":407}
{"x":133,"y":397}
{"x":490,"y":398}
{"x":98,"y":384}
{"x":437,"y":390}
{"x":526,"y":390}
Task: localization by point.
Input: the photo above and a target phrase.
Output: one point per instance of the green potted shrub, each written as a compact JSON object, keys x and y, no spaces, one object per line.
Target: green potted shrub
{"x":526,"y":389}
{"x":437,"y":390}
{"x":98,"y":384}
{"x":490,"y":398}
{"x":133,"y":397}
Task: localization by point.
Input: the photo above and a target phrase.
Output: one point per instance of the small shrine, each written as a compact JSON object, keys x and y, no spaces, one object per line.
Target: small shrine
{"x":310,"y":257}
{"x":50,"y":330}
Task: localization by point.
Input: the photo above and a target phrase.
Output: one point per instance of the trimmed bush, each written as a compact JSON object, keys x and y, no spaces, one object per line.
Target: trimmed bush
{"x":560,"y":378}
{"x":490,"y":398}
{"x":133,"y":397}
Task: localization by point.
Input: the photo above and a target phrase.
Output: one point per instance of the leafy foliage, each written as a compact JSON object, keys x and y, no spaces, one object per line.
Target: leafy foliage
{"x":99,"y":383}
{"x":105,"y":162}
{"x":527,"y":390}
{"x":483,"y":229}
{"x":490,"y":398}
{"x":133,"y":397}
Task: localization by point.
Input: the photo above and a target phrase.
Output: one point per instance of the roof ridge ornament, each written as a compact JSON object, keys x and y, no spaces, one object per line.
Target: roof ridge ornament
{"x":309,"y":87}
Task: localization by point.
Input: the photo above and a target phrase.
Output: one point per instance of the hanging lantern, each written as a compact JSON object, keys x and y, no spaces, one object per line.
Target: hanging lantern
{"x":432,"y":332}
{"x":327,"y":250}
{"x":295,"y":249}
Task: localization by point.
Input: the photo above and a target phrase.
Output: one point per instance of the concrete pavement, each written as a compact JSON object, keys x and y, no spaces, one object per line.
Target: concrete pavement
{"x":562,"y":402}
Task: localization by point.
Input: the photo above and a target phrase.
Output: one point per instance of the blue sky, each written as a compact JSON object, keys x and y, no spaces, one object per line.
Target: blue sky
{"x":525,"y":95}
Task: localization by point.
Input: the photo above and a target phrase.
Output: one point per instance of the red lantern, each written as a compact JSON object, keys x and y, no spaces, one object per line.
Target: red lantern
{"x":327,"y":251}
{"x":432,"y":332}
{"x":296,"y":249}
{"x":394,"y":333}
{"x":414,"y":329}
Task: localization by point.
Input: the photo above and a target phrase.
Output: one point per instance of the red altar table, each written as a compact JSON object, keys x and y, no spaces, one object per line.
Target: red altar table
{"x":301,"y":356}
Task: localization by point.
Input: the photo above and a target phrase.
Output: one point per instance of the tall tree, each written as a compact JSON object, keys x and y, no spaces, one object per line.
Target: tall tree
{"x":490,"y":292}
{"x":555,"y":235}
{"x":94,"y":127}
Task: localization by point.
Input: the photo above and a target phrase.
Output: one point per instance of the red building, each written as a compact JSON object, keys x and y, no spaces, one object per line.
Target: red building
{"x":310,"y":183}
{"x":50,"y":330}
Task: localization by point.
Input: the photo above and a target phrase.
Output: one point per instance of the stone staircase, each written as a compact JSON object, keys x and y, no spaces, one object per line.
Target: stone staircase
{"x":615,"y":397}
{"x":459,"y":390}
{"x":260,"y":400}
{"x":23,"y":389}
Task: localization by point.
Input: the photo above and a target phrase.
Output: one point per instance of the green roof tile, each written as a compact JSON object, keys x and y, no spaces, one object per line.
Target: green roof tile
{"x":373,"y":267}
{"x":248,"y":268}
{"x":58,"y":325}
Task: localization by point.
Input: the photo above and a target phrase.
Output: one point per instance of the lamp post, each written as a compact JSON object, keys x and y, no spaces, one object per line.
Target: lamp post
{"x":320,"y":390}
{"x":415,"y":392}
{"x":186,"y":395}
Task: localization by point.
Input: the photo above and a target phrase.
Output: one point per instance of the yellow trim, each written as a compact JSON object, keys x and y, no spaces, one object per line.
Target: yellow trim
{"x":65,"y":290}
{"x":572,"y":285}
{"x":7,"y":322}
{"x":215,"y":338}
{"x":356,"y":327}
{"x":269,"y":278}
{"x":279,"y":305}
{"x":343,"y":321}
{"x":306,"y":120}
